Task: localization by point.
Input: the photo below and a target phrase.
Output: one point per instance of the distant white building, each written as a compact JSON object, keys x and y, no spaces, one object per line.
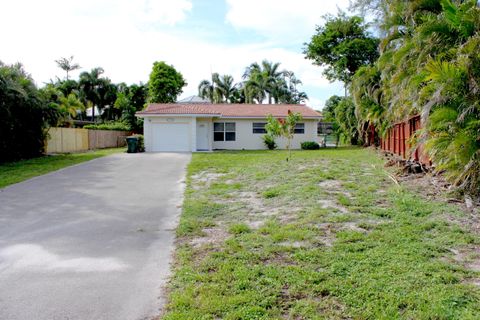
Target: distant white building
{"x":194,"y":100}
{"x":89,"y":113}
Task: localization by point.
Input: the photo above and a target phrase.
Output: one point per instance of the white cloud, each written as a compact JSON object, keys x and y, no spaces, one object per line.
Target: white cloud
{"x":166,"y":11}
{"x":125,"y":37}
{"x":281,"y":19}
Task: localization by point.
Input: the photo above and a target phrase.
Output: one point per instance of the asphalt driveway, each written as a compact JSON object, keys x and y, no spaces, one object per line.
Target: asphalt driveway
{"x":92,"y":241}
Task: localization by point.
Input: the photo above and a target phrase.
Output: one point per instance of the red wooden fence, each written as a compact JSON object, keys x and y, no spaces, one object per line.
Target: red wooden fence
{"x":397,"y":140}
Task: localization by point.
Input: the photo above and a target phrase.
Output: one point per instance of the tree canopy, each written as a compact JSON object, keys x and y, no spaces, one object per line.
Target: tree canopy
{"x":429,"y":65}
{"x":342,"y":45}
{"x":261,"y":82}
{"x":24,"y":115}
{"x":165,"y":83}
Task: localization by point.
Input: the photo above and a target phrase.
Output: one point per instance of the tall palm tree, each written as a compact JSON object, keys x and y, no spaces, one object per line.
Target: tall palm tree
{"x":220,"y":89}
{"x":264,"y":79}
{"x":207,"y":88}
{"x":89,"y":84}
{"x":67,"y":65}
{"x":226,"y":88}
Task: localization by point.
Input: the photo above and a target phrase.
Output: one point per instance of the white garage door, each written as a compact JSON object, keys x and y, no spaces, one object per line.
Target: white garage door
{"x":170,"y":137}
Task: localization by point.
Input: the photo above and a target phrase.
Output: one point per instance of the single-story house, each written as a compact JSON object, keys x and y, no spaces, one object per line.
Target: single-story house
{"x":206,"y":127}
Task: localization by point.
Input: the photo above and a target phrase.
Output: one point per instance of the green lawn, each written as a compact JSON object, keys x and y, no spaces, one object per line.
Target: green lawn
{"x":15,"y":172}
{"x":326,"y":236}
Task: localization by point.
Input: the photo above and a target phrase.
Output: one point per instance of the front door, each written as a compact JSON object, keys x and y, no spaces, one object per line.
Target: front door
{"x":202,"y":136}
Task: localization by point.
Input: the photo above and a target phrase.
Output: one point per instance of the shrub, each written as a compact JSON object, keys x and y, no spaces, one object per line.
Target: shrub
{"x":118,"y":126}
{"x":141,"y":144}
{"x":24,"y":115}
{"x":310,"y":145}
{"x":269,"y":141}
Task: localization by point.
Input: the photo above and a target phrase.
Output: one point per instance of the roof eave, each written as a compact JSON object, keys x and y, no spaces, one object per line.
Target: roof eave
{"x":197,"y":115}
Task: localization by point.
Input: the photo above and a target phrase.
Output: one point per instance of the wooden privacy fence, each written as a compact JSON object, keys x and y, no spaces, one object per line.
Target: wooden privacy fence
{"x":62,"y":140}
{"x":397,"y":141}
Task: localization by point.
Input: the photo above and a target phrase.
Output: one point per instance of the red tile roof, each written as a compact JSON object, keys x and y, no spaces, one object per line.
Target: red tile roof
{"x":229,"y":110}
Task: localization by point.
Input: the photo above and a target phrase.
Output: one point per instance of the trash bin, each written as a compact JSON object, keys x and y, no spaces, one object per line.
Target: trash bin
{"x":132,"y":144}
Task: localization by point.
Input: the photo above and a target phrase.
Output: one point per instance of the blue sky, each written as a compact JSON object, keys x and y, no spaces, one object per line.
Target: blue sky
{"x":196,"y":36}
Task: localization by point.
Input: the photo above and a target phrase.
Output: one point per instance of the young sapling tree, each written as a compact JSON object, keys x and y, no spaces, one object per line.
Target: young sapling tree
{"x":283,"y":127}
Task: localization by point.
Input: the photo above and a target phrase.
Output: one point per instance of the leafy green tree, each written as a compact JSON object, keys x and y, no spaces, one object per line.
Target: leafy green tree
{"x":328,"y":112}
{"x":165,"y":83}
{"x":24,"y":115}
{"x":342,"y":45}
{"x":347,"y":121}
{"x":129,"y":101}
{"x":67,"y":86}
{"x":67,"y":65}
{"x":283,"y":127}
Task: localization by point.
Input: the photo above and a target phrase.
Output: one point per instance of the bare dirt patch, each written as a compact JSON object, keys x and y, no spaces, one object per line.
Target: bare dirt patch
{"x":330,"y":185}
{"x":205,"y":178}
{"x":327,"y":236}
{"x":469,"y":257}
{"x":334,"y":187}
{"x":294,"y":244}
{"x":330,"y":204}
{"x":213,"y":235}
{"x":252,"y":202}
{"x":255,"y":224}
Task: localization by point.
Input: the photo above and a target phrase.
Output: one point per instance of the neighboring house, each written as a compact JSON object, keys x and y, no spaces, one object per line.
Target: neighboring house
{"x":206,"y":127}
{"x":194,"y":100}
{"x":89,"y":113}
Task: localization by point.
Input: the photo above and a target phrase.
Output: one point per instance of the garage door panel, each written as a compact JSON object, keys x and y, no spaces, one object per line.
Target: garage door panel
{"x":170,"y":137}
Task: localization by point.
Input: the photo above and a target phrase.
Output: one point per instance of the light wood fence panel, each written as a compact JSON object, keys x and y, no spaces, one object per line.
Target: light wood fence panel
{"x":64,"y":140}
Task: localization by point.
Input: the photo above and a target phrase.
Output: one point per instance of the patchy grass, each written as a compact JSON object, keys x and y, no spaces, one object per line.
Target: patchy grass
{"x":19,"y":171}
{"x":326,"y":236}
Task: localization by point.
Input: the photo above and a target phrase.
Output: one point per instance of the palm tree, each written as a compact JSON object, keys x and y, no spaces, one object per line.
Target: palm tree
{"x":67,"y":65}
{"x":69,"y":106}
{"x":207,"y":88}
{"x":89,"y":84}
{"x":256,"y":86}
{"x":264,"y":79}
{"x":226,"y":88}
{"x":429,"y":65}
{"x":220,"y":89}
{"x":286,"y":90}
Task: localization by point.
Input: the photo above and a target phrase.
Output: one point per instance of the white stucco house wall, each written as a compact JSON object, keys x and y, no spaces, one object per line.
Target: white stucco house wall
{"x":207,"y":127}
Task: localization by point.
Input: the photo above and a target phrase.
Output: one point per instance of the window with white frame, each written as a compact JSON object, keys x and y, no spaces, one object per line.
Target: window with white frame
{"x":224,"y":131}
{"x":259,"y":127}
{"x":299,"y":128}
